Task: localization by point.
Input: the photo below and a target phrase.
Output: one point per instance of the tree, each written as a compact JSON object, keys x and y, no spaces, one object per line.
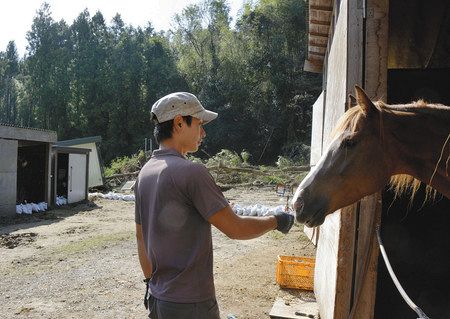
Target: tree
{"x":10,"y":70}
{"x":49,"y":57}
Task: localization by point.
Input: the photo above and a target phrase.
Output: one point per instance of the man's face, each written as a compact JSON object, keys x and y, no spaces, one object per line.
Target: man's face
{"x":193,"y":135}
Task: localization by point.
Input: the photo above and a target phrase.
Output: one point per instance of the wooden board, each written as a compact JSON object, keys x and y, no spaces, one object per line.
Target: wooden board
{"x":370,"y":207}
{"x":317,"y":130}
{"x":294,"y":309}
{"x":333,"y":272}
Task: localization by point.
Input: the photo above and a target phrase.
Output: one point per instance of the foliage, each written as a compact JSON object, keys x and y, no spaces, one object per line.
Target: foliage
{"x":225,"y":158}
{"x":92,"y":78}
{"x":284,"y":162}
{"x":125,"y":164}
{"x":245,"y":156}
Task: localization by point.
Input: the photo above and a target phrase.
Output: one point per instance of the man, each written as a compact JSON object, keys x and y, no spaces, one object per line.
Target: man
{"x":176,"y":203}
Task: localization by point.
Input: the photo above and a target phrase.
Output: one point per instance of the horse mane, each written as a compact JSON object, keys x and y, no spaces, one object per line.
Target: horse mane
{"x":400,"y":184}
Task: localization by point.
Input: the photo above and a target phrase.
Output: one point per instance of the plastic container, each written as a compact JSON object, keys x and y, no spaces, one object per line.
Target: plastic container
{"x":295,"y":272}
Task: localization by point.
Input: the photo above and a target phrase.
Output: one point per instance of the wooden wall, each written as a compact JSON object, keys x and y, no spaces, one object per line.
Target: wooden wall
{"x":332,"y":285}
{"x":343,"y":278}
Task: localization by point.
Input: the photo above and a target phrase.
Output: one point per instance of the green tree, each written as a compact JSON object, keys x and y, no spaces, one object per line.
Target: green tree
{"x":9,"y":72}
{"x":49,"y":55}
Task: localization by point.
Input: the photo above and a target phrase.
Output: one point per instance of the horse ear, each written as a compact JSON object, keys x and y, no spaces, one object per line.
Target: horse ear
{"x":364,"y":101}
{"x":351,"y":101}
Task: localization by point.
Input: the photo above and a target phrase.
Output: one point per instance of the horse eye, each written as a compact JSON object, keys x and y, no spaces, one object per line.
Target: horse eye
{"x":348,"y":142}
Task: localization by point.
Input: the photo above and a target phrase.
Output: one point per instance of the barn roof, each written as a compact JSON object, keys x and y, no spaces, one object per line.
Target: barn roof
{"x":17,"y":132}
{"x":78,"y":141}
{"x":320,"y":15}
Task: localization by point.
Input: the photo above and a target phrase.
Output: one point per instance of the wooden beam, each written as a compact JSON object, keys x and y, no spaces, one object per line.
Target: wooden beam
{"x":319,"y":45}
{"x":318,"y":34}
{"x":375,"y":85}
{"x":320,"y":8}
{"x":316,"y":53}
{"x":319,"y":22}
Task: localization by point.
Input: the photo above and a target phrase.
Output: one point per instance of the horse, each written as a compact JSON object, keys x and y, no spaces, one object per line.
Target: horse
{"x":373,"y":144}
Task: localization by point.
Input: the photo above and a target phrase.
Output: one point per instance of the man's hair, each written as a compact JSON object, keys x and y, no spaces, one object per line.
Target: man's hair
{"x":163,"y":131}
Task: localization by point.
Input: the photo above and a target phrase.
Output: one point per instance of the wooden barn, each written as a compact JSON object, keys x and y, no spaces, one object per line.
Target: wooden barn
{"x":397,"y":51}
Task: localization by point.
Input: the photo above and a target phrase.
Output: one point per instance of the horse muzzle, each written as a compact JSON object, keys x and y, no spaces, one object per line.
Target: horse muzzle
{"x":309,"y":212}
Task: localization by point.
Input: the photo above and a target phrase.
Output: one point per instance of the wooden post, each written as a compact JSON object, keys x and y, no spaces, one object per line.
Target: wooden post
{"x":375,"y":85}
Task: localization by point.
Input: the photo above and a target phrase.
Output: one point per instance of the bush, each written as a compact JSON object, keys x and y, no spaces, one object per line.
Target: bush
{"x":284,"y":162}
{"x":194,"y":159}
{"x":245,"y":155}
{"x":226,"y":158}
{"x":123,"y":165}
{"x":296,"y":153}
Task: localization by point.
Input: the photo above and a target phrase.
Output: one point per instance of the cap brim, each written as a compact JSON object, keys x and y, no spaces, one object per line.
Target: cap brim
{"x":206,"y":116}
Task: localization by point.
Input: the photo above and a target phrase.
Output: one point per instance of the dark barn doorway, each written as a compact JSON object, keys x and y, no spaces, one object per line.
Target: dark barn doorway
{"x":416,"y":235}
{"x":31,"y":172}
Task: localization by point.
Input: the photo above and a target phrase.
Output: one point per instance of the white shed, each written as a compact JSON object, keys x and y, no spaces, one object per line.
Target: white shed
{"x":96,"y":176}
{"x":71,"y":178}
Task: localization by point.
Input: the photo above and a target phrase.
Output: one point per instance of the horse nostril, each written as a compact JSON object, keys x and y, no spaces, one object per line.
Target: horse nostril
{"x":298,"y":205}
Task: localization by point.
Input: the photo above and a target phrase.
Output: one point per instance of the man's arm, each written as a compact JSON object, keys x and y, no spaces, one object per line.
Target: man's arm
{"x":146,"y":265}
{"x":241,"y":227}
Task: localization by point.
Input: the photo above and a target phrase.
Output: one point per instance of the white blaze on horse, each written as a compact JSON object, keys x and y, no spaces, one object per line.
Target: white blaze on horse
{"x":376,"y":143}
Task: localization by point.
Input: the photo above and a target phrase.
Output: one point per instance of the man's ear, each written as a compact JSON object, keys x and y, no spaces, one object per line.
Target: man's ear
{"x":177,"y":122}
{"x":364,"y":101}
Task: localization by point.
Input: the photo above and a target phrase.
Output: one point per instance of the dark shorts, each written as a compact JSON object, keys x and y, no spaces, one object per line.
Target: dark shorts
{"x":159,"y":309}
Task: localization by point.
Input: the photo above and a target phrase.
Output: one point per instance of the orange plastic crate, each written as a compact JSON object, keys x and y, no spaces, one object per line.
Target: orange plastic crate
{"x":295,"y":272}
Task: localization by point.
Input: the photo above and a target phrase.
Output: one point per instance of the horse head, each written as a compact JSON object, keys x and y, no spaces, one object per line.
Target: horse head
{"x":353,"y":166}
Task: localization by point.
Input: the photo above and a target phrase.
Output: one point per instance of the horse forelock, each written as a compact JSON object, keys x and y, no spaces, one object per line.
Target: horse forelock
{"x":348,"y":121}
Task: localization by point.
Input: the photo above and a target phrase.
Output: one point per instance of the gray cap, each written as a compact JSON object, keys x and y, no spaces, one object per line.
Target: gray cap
{"x":181,"y":103}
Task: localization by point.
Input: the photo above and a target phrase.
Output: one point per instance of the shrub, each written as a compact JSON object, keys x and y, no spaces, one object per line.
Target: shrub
{"x":125,"y":164}
{"x":225,"y":157}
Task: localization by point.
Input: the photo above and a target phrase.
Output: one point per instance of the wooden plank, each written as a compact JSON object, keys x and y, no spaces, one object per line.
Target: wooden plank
{"x":355,"y":45}
{"x":367,"y":257}
{"x":317,"y":34}
{"x":332,"y":286}
{"x":319,"y":22}
{"x":317,"y":130}
{"x":325,"y":273}
{"x":376,"y":49}
{"x":345,"y":262}
{"x":321,"y":8}
{"x":294,"y":309}
{"x":370,"y":213}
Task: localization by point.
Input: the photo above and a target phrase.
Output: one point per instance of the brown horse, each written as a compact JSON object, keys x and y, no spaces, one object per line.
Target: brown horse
{"x":374,"y":143}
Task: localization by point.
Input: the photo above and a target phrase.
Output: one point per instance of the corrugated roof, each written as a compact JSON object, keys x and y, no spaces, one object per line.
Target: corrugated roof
{"x":320,"y":15}
{"x":26,"y":127}
{"x":78,"y":141}
{"x":17,"y":132}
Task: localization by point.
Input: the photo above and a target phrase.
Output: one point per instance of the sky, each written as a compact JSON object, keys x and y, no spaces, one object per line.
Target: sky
{"x":16,"y":16}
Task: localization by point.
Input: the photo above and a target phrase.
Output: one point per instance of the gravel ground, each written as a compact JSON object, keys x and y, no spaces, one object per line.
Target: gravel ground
{"x":81,"y":262}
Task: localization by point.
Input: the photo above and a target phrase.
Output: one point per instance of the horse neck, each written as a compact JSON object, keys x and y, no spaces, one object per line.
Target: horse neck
{"x":417,"y":139}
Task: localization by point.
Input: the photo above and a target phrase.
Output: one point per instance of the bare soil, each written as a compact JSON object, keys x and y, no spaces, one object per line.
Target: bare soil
{"x":81,"y":262}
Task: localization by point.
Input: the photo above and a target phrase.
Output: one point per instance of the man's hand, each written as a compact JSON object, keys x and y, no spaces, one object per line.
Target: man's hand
{"x":284,"y":222}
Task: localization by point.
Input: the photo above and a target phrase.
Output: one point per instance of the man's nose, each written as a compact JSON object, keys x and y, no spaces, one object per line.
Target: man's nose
{"x":203,"y":133}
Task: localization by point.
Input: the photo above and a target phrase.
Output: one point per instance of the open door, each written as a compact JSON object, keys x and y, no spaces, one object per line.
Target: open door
{"x":77,"y":178}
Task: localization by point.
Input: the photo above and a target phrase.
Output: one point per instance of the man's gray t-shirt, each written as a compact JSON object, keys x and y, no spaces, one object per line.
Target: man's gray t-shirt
{"x":174,"y":199}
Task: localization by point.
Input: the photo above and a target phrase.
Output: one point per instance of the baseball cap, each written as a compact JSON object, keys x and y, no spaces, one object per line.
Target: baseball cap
{"x":181,"y":103}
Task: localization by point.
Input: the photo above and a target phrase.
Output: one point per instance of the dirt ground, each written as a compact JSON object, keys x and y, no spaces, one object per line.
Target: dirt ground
{"x":81,"y":262}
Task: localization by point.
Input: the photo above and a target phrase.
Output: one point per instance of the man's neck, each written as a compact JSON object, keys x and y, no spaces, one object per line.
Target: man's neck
{"x":172,"y":144}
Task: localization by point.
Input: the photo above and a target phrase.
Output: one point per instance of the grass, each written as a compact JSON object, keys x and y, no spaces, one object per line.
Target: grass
{"x":94,"y":242}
